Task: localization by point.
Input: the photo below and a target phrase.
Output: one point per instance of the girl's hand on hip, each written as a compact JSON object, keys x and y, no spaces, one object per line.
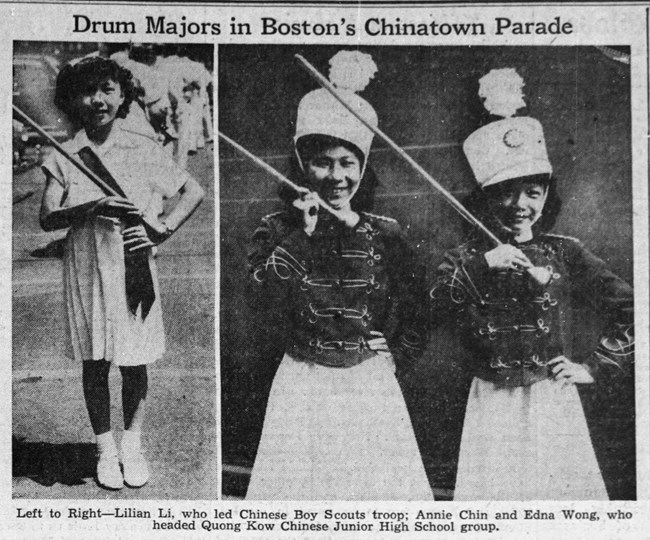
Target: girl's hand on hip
{"x":136,"y":238}
{"x":157,"y":231}
{"x":507,"y":257}
{"x":308,"y":203}
{"x":569,"y":372}
{"x":115,"y":207}
{"x":378,"y":343}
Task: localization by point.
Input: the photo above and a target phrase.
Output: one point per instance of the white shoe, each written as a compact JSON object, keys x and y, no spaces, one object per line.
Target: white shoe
{"x":136,"y":469}
{"x":109,"y":475}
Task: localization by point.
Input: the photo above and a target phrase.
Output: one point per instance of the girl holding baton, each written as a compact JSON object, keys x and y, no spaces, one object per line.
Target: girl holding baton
{"x":525,"y":436}
{"x":109,"y":274}
{"x":336,"y":425}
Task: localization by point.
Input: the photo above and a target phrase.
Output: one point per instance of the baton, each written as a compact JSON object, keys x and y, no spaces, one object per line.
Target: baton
{"x":277,"y":175}
{"x":81,"y":166}
{"x":455,"y":203}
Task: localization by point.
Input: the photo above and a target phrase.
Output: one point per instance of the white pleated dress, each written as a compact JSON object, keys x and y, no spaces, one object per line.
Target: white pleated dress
{"x":100,"y":325}
{"x":338,"y":434}
{"x":526,"y":443}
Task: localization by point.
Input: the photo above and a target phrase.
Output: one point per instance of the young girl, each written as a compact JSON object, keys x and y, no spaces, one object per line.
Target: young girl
{"x":336,"y":425}
{"x":109,"y":275}
{"x":525,"y":436}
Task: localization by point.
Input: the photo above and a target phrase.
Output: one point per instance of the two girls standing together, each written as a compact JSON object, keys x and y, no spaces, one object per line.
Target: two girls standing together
{"x":351,"y":291}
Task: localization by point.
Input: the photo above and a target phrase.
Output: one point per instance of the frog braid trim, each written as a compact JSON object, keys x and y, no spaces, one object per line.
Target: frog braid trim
{"x":459,"y":286}
{"x":612,"y":349}
{"x":284,"y":264}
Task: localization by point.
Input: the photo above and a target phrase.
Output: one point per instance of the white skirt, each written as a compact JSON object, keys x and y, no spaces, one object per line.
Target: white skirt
{"x":100,"y":324}
{"x":526,"y":443}
{"x":338,"y":434}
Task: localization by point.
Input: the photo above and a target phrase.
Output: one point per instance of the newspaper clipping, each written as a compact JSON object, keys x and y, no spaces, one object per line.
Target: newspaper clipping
{"x":363,"y":269}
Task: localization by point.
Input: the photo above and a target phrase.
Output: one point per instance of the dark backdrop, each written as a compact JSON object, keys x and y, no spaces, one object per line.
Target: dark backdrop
{"x":426,"y":99}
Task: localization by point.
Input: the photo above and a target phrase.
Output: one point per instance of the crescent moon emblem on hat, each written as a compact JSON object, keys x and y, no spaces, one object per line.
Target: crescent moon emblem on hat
{"x":513,"y":138}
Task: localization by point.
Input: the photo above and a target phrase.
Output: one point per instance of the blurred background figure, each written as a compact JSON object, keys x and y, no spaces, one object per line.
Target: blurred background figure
{"x":189,"y":93}
{"x":139,"y":59}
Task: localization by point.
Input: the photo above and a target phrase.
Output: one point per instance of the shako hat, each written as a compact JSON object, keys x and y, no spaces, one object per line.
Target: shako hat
{"x":320,"y":113}
{"x":508,"y":148}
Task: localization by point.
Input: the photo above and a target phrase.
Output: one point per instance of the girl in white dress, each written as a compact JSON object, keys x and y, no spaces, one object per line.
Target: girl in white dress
{"x":109,"y":274}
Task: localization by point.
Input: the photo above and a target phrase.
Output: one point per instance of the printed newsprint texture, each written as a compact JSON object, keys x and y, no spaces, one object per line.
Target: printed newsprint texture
{"x":585,"y":68}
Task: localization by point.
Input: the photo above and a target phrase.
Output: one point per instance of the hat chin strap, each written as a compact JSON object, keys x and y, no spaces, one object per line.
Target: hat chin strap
{"x":302,"y":167}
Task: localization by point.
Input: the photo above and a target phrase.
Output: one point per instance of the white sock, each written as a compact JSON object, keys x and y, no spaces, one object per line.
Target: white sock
{"x":131,"y":441}
{"x":106,"y":443}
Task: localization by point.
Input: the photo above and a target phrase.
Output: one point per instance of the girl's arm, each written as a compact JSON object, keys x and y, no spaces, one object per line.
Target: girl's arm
{"x":459,"y":279}
{"x":154,"y":231}
{"x":53,"y":216}
{"x":457,"y":283}
{"x":274,"y":231}
{"x":273,"y":267}
{"x":597,"y":286}
{"x":408,"y":339}
{"x":191,"y":195}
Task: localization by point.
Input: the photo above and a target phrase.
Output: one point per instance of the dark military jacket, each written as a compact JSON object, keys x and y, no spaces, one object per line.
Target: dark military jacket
{"x":513,"y":326}
{"x":340,"y":287}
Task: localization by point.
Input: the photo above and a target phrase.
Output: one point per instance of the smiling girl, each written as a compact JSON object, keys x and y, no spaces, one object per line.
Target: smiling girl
{"x":525,"y":436}
{"x":336,"y":425}
{"x":109,"y":274}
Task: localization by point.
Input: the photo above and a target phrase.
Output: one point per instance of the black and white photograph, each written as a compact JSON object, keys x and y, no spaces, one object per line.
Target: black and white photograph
{"x":325,"y":270}
{"x":426,"y":273}
{"x":114,"y":378}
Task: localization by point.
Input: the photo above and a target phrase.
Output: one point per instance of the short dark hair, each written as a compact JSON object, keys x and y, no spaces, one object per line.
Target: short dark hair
{"x":309,"y":146}
{"x":477,"y":203}
{"x":74,"y":79}
{"x":312,"y":145}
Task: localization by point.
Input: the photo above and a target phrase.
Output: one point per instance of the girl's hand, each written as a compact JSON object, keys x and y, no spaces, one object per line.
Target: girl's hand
{"x":378,"y":343}
{"x":308,"y":203}
{"x":507,"y":257}
{"x":116,"y":207}
{"x":157,"y":231}
{"x":569,"y":372}
{"x":348,"y":217}
{"x":136,"y":238}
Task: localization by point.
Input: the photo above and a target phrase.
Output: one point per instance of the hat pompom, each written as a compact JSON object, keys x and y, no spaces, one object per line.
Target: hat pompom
{"x":502,"y":91}
{"x":351,"y":70}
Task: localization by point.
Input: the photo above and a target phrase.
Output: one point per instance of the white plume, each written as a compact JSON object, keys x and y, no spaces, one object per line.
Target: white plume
{"x":502,"y":91}
{"x":351,"y":70}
